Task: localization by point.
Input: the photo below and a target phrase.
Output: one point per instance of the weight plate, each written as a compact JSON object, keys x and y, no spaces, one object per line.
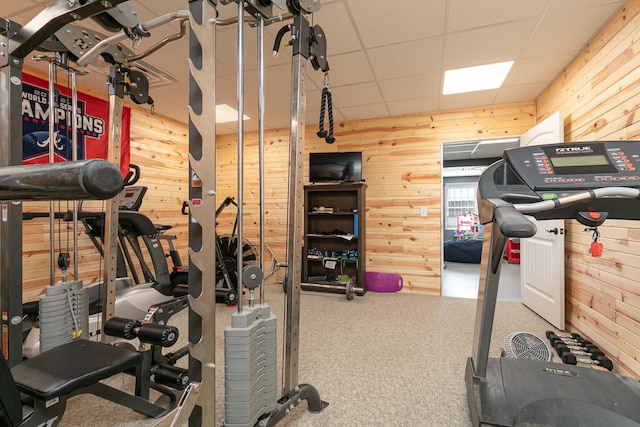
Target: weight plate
{"x":349,"y":291}
{"x":252,"y":276}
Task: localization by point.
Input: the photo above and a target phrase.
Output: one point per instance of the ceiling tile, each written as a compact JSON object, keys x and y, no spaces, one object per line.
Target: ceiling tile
{"x":405,"y":59}
{"x":538,"y":69}
{"x":411,"y":87}
{"x":572,"y":28}
{"x":487,"y":45}
{"x":465,"y":14}
{"x":346,"y":69}
{"x":381,"y":24}
{"x":340,"y":31}
{"x":564,"y":6}
{"x":357,"y":94}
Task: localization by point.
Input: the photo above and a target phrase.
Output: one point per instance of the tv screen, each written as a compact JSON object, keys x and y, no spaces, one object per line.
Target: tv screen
{"x":335,"y":167}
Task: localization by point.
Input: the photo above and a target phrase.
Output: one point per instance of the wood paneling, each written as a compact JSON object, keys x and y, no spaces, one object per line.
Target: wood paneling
{"x":401,"y":165}
{"x":599,"y":95}
{"x":401,"y":157}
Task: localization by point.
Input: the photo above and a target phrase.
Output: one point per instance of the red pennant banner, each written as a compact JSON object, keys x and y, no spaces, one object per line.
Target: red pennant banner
{"x":92,"y":120}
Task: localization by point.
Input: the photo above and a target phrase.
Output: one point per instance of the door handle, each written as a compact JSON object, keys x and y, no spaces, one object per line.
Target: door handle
{"x":556,"y":231}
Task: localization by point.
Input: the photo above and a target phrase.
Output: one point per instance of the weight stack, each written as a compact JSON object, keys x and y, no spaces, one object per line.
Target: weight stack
{"x":63,"y":306}
{"x":250,"y":366}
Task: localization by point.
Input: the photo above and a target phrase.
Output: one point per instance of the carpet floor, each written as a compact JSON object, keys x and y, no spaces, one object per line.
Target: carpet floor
{"x":383,"y":359}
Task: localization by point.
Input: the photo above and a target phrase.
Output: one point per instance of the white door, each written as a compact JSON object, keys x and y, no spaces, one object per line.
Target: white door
{"x":542,"y":256}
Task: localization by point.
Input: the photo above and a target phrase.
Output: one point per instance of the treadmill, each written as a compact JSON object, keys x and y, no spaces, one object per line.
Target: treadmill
{"x":586,"y":181}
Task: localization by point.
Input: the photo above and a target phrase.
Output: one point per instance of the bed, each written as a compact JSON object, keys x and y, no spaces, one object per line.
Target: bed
{"x":463,"y":250}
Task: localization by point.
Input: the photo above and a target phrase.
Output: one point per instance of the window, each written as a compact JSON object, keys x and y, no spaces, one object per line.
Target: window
{"x":460,"y":199}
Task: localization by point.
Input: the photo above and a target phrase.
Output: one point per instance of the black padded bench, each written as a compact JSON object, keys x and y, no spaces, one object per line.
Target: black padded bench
{"x":35,"y":391}
{"x":67,"y":368}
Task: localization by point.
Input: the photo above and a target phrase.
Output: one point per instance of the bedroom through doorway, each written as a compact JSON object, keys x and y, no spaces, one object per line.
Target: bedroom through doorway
{"x":462,"y":164}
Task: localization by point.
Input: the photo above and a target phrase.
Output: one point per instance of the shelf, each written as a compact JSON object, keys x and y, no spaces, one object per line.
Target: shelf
{"x":332,"y":214}
{"x":331,"y":236}
{"x":349,"y":201}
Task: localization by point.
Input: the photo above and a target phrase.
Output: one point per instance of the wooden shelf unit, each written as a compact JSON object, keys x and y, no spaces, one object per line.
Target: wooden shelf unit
{"x":334,"y":226}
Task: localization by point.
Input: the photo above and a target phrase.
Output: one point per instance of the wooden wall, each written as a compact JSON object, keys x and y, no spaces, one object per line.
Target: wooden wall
{"x":599,"y":96}
{"x":401,"y":166}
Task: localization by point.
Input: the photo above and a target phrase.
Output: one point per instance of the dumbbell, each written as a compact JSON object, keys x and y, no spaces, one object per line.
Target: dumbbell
{"x":573,"y":339}
{"x":573,"y":335}
{"x":603,"y":361}
{"x":592,"y":353}
{"x":589,"y":348}
{"x":152,"y":333}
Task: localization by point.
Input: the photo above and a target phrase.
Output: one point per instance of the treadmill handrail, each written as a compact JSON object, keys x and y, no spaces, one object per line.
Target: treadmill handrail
{"x":597,"y":193}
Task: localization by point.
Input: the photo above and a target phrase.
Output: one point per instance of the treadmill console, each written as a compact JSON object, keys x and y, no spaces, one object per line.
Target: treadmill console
{"x":577,"y":166}
{"x":130,"y":198}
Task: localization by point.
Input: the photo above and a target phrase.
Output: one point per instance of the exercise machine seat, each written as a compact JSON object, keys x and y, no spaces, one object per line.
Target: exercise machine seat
{"x":69,"y":367}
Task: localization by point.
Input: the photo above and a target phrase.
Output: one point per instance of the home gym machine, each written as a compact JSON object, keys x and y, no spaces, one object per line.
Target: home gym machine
{"x":586,"y":181}
{"x":121,"y":222}
{"x":244,"y":405}
{"x":34,"y":392}
{"x":199,"y":394}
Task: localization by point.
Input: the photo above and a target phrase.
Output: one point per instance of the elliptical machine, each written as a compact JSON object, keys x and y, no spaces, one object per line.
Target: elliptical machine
{"x":586,"y":181}
{"x":139,"y":287}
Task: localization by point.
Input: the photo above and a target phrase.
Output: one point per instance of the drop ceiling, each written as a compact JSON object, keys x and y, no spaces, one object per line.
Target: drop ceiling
{"x":480,"y":152}
{"x":387,"y":58}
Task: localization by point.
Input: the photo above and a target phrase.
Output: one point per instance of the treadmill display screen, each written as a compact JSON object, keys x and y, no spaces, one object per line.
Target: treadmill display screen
{"x":578,"y":159}
{"x":569,"y":161}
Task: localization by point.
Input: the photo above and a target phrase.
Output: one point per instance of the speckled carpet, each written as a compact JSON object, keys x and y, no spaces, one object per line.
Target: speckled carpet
{"x":383,"y":359}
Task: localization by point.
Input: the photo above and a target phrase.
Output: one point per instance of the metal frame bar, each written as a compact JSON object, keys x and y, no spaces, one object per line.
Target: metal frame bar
{"x":493,"y":247}
{"x":11,"y":217}
{"x":202,"y":207}
{"x":296,"y":202}
{"x":16,"y":43}
{"x":116,"y":100}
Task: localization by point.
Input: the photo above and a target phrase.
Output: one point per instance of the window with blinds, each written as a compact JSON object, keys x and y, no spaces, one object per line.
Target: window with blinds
{"x":460,"y":199}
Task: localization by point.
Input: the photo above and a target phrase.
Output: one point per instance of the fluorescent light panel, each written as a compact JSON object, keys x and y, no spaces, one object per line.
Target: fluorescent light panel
{"x":471,"y":79}
{"x":499,"y":141}
{"x":226,"y":114}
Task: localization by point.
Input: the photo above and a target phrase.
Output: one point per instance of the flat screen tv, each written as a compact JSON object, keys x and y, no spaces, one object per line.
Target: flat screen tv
{"x":335,"y":167}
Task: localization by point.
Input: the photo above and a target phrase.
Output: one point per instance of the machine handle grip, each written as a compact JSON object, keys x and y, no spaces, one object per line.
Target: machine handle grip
{"x":597,"y":193}
{"x":512,"y":223}
{"x":132,"y":176}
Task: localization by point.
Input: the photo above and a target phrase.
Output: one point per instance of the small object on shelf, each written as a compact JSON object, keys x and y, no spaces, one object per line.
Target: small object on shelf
{"x":314,"y":254}
{"x":322,"y":209}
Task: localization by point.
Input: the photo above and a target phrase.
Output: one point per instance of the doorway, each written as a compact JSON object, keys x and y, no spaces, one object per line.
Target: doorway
{"x":461,"y":235}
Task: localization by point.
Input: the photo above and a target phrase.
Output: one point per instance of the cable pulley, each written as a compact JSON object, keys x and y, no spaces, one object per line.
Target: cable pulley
{"x":318,"y":49}
{"x":64,"y":259}
{"x":308,"y":6}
